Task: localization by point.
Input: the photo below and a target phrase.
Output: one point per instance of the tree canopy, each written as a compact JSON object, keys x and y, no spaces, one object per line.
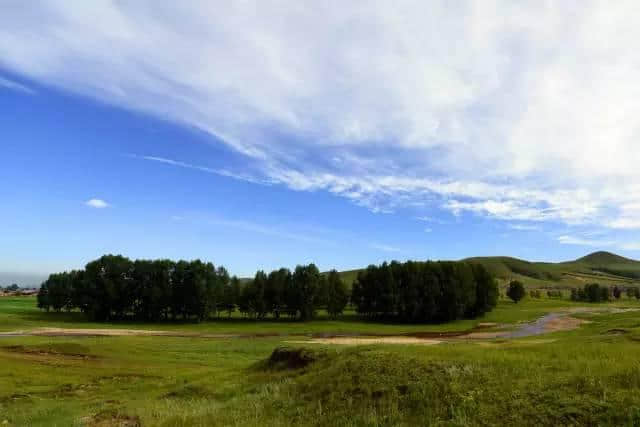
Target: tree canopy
{"x":424,"y":291}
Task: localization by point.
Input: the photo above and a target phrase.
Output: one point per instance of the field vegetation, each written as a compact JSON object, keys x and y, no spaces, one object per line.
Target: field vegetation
{"x":582,"y":377}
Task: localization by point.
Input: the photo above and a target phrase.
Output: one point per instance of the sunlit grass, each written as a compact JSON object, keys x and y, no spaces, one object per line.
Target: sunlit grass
{"x":584,"y":377}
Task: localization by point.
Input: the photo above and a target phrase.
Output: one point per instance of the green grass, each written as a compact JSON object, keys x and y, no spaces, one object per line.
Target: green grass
{"x":590,"y":376}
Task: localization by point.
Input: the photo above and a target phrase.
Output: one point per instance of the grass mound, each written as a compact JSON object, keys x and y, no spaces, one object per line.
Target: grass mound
{"x":293,"y":358}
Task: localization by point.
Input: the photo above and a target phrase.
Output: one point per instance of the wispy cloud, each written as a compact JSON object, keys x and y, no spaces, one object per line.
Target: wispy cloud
{"x":385,"y":248}
{"x":580,"y":241}
{"x":524,"y":227}
{"x":265,"y":229}
{"x":15,"y":86}
{"x":431,"y":219}
{"x":585,"y":239}
{"x":97,"y":203}
{"x":221,"y":172}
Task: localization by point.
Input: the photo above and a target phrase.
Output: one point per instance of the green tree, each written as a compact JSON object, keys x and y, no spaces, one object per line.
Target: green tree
{"x":617,"y":292}
{"x":306,"y":280}
{"x":337,"y":294}
{"x":516,"y":291}
{"x":275,"y":291}
{"x":43,"y":296}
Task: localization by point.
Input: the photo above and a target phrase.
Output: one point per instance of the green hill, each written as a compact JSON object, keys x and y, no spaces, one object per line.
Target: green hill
{"x":600,"y":267}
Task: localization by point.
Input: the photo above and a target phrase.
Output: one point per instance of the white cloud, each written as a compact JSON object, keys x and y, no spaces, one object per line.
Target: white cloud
{"x":97,"y":203}
{"x":15,"y":86}
{"x":631,"y":246}
{"x":587,"y":241}
{"x":573,"y":240}
{"x":428,"y":230}
{"x":517,"y":111}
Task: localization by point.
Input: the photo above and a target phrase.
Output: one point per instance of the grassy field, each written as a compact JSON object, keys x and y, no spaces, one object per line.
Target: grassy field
{"x":587,"y":376}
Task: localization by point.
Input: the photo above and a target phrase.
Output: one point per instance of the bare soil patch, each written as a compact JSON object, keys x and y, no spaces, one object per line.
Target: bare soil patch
{"x":70,"y":351}
{"x":370,"y":340}
{"x":111,"y":418}
{"x":564,"y":323}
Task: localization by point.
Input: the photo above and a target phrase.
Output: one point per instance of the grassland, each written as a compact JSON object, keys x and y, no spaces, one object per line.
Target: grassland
{"x":587,"y":376}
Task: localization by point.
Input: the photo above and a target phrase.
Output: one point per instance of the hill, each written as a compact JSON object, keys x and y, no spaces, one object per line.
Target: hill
{"x":602,"y":267}
{"x":604,"y":258}
{"x":24,"y":280}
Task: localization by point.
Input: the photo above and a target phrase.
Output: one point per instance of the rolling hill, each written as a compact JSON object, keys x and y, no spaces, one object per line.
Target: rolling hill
{"x":601,"y":267}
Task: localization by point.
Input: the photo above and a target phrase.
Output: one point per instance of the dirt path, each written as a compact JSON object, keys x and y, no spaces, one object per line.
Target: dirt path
{"x":552,"y":322}
{"x":369,"y":340}
{"x":88,"y":332}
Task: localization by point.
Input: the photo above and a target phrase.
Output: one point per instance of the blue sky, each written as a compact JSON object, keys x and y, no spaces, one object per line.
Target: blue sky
{"x":342,"y":136}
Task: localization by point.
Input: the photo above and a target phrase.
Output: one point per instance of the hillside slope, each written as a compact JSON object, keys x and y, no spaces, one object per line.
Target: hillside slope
{"x":601,"y":267}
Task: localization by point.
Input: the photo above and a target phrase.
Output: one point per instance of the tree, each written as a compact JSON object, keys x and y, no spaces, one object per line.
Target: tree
{"x":617,"y":292}
{"x":231,"y":296}
{"x":275,"y":290}
{"x":486,"y":290}
{"x":257,"y":301}
{"x":516,"y":291}
{"x":43,"y":296}
{"x":306,"y":280}
{"x":336,"y":294}
{"x":424,"y":291}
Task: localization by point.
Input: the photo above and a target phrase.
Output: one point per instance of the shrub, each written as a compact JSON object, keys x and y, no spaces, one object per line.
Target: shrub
{"x":591,"y":292}
{"x":617,"y":292}
{"x":554,"y":293}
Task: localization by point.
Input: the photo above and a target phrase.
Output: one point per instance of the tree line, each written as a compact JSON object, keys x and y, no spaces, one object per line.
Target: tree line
{"x":594,"y":292}
{"x":115,"y":287}
{"x":424,"y":291}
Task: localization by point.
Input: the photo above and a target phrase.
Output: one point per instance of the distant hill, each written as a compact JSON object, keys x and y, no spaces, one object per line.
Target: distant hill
{"x":601,"y":267}
{"x":605,"y":258}
{"x":24,"y":280}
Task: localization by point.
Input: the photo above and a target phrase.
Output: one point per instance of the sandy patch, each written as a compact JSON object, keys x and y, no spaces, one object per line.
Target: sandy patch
{"x":88,"y":332}
{"x":95,"y":332}
{"x":368,"y":340}
{"x":565,"y":323}
{"x":486,"y":324}
{"x":485,"y":335}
